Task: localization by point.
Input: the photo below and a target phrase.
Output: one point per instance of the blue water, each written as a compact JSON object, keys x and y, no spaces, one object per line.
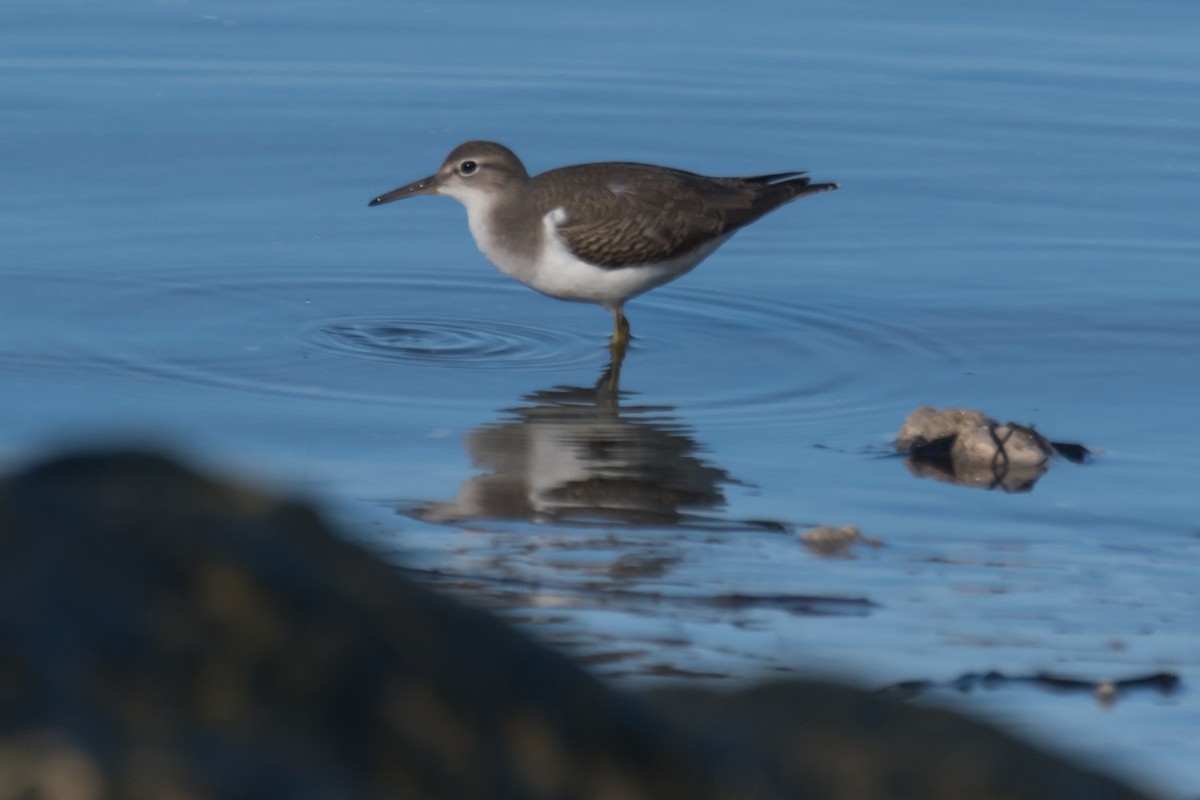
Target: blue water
{"x":186,"y":257}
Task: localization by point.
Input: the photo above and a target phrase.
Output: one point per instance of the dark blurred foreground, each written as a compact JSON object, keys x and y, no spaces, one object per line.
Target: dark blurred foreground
{"x":166,"y":636}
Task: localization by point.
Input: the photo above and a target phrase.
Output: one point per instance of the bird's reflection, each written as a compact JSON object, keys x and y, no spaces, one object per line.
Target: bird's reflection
{"x":585,"y":455}
{"x":627,"y":491}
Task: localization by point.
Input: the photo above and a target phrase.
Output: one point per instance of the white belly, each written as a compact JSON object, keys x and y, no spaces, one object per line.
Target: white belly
{"x":558,"y":273}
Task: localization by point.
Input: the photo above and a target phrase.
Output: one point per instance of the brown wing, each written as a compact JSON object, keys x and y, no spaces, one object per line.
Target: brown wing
{"x":623,"y":214}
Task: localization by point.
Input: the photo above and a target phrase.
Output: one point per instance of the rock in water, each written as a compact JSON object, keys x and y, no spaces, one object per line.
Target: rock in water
{"x":969,"y":448}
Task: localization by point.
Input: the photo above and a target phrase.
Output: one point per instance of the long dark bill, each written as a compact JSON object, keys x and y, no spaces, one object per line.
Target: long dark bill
{"x":424,"y":186}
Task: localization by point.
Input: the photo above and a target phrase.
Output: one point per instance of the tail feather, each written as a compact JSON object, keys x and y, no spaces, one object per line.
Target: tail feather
{"x":805,"y":188}
{"x":769,"y":192}
{"x":794,"y":188}
{"x":775,"y":177}
{"x":797,"y":184}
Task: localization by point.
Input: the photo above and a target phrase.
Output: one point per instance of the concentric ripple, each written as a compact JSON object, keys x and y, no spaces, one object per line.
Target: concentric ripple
{"x":350,"y":338}
{"x":451,"y":342}
{"x":747,"y":360}
{"x":728,"y":356}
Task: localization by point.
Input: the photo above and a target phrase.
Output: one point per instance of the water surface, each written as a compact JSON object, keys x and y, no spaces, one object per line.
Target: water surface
{"x":187,"y":257}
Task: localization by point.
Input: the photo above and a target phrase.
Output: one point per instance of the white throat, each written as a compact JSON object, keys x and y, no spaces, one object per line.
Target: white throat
{"x":480,"y":207}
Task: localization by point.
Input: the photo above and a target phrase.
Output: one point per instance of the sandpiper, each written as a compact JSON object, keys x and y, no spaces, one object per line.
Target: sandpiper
{"x":599,"y":233}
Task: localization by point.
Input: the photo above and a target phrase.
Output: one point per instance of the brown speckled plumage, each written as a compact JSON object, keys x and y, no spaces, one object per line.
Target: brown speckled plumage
{"x":621,"y":214}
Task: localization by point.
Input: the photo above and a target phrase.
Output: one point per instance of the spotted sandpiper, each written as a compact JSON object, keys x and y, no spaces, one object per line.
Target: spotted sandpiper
{"x":599,"y":233}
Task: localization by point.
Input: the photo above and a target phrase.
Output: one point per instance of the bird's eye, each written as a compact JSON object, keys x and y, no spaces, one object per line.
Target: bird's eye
{"x":467,"y":167}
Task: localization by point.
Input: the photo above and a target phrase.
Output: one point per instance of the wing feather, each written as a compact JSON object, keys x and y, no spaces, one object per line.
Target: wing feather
{"x":619,"y":215}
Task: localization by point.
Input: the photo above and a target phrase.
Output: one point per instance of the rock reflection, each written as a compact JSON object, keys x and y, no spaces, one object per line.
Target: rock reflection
{"x":582,"y":455}
{"x":969,"y":448}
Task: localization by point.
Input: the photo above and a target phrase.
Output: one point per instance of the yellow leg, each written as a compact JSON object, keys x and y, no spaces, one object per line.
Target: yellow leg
{"x":620,"y":337}
{"x":620,"y":328}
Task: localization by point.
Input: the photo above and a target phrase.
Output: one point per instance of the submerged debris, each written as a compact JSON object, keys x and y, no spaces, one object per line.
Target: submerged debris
{"x":967,"y":447}
{"x":830,"y":542}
